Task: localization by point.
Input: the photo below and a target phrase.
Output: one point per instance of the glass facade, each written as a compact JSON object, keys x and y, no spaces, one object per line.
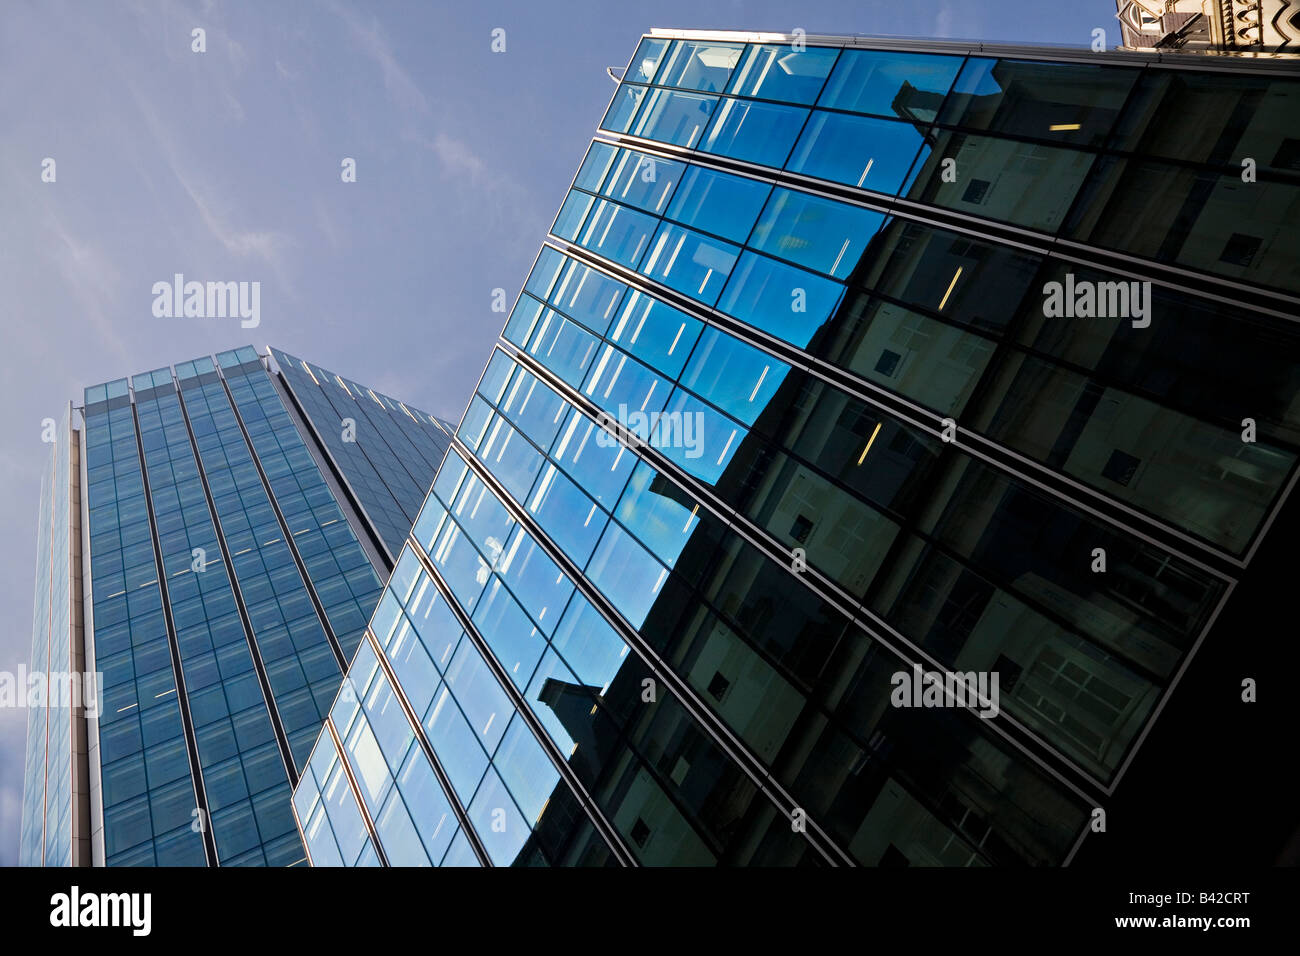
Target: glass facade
{"x":230,"y":578}
{"x":386,"y":450}
{"x":48,"y":836}
{"x":781,"y":415}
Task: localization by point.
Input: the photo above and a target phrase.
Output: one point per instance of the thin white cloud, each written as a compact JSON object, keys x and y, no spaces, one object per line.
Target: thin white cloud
{"x":374,"y":43}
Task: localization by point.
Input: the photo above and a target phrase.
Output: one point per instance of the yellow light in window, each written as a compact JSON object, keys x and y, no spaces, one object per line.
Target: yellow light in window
{"x":1062,"y":127}
{"x":863,"y":456}
{"x":955,"y":276}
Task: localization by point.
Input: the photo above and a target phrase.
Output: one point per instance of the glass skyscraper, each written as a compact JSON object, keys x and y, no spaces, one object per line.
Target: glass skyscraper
{"x":214,"y":537}
{"x":846,"y":361}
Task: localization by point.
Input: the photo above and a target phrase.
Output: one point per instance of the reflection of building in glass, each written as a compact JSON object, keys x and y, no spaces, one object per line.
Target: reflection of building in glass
{"x":1235,"y":27}
{"x":207,"y":546}
{"x":593,"y":652}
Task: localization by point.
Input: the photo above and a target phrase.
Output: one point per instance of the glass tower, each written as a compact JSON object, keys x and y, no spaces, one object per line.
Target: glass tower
{"x":230,"y":564}
{"x":850,"y":369}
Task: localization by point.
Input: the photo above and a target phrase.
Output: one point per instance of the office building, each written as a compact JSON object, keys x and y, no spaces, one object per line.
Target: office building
{"x":848,"y":367}
{"x":213,"y":538}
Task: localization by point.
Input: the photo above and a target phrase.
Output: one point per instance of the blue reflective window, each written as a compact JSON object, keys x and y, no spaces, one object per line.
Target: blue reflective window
{"x":619,"y":233}
{"x":499,"y":369}
{"x":735,"y":377}
{"x":858,"y":151}
{"x":781,"y":300}
{"x":460,"y":564}
{"x":413,"y":667}
{"x":822,"y":234}
{"x":534,"y":407}
{"x":563,"y":346}
{"x":535,"y":580}
{"x":594,"y":457}
{"x":513,"y":638}
{"x":646,"y":60}
{"x":484,"y":703}
{"x":619,"y":383}
{"x":482,"y":516}
{"x":782,"y":73}
{"x":513,"y":461}
{"x":673,"y":117}
{"x":621,"y":109}
{"x":755,"y":132}
{"x":699,"y":65}
{"x":523,"y":320}
{"x":473,"y":426}
{"x":572,"y":214}
{"x":388,"y":721}
{"x":368,"y":762}
{"x":428,"y":805}
{"x":626,"y":574}
{"x":546,"y":695}
{"x":658,"y":513}
{"x":643,"y":181}
{"x":587,"y":296}
{"x":524,"y":768}
{"x":908,"y":85}
{"x":717,"y":202}
{"x":456,"y":745}
{"x":571,"y":518}
{"x":501,"y":828}
{"x":547,"y":268}
{"x":693,"y":264}
{"x":385,"y":619}
{"x":397,"y":834}
{"x":595,"y":166}
{"x":696,"y":436}
{"x":590,"y":646}
{"x":404,"y":575}
{"x":436,"y":623}
{"x":460,"y":853}
{"x":1070,"y":102}
{"x":656,"y":333}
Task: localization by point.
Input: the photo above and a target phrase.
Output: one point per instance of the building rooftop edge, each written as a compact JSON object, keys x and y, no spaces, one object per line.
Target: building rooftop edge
{"x":1208,"y":60}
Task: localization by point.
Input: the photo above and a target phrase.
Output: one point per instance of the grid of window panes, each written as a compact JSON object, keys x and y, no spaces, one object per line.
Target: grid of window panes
{"x":340,"y":573}
{"x":928,"y":306}
{"x":716,"y":284}
{"x":230,"y":412}
{"x":1028,"y":137}
{"x":300,"y":664}
{"x":387,"y":450}
{"x":46,"y":828}
{"x":789,"y":452}
{"x":148,"y":795}
{"x":240,"y":763}
{"x":331,"y":821}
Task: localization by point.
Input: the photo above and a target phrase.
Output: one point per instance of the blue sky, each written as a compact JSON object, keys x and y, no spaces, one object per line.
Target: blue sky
{"x":225,"y":166}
